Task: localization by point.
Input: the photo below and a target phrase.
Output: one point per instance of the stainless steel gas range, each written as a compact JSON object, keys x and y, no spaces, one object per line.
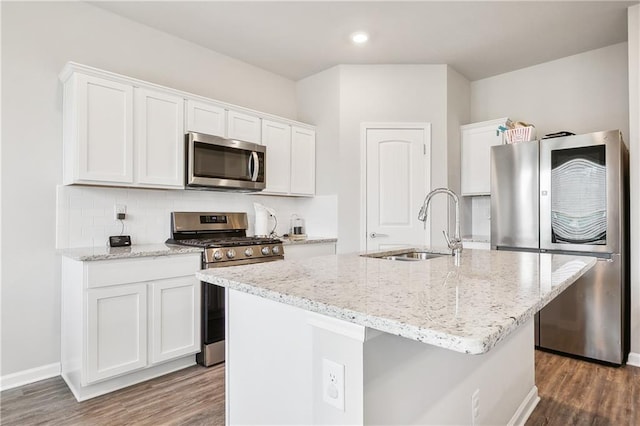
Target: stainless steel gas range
{"x":224,"y":239}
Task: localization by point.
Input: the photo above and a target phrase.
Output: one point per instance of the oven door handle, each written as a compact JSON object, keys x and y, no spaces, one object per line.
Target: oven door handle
{"x":256,"y":166}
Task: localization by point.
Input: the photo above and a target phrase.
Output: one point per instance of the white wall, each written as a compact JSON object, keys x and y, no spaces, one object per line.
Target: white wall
{"x":338,"y":100}
{"x":318,"y":102}
{"x":582,"y":93}
{"x":634,"y":152}
{"x":37,"y":40}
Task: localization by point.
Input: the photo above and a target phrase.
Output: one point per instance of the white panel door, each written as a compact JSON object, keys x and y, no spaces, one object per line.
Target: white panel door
{"x":175,"y":318}
{"x":116,"y":331}
{"x":203,"y":117}
{"x":243,"y":127}
{"x":396,"y":184}
{"x":159,"y":120}
{"x":277,"y":138}
{"x":303,"y":161}
{"x":105,"y":130}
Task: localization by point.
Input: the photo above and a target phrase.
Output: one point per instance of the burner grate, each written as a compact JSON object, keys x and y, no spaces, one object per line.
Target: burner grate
{"x":225,"y":242}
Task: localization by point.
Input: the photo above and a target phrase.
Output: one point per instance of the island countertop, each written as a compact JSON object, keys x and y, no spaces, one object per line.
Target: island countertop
{"x":466,"y":308}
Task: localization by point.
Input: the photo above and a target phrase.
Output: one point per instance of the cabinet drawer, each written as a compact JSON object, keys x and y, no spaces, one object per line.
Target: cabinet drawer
{"x":112,"y":272}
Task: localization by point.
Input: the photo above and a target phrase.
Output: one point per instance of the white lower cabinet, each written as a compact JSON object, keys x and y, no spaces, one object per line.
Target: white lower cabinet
{"x":116,"y":330}
{"x":174,"y":327}
{"x":127,"y":320}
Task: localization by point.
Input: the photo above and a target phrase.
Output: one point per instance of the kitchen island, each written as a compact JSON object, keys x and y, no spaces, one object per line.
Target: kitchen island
{"x":349,"y":339}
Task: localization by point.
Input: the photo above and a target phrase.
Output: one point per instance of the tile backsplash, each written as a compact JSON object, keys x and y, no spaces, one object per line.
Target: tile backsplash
{"x":86,"y":215}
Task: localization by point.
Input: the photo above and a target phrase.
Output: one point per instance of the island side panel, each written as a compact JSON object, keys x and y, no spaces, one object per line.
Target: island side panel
{"x":274,"y":367}
{"x":407,"y":382}
{"x":268,"y":365}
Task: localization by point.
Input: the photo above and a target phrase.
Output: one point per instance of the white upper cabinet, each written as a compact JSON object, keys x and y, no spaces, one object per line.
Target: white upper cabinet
{"x":159,"y":138}
{"x":476,"y":142}
{"x":120,"y":131}
{"x":204,"y":117}
{"x":303,"y":161}
{"x":277,"y":138}
{"x":98,"y":127}
{"x":243,"y":126}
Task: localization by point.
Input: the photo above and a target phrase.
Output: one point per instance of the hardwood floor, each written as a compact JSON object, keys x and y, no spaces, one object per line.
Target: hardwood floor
{"x":193,"y":396}
{"x":572,"y":392}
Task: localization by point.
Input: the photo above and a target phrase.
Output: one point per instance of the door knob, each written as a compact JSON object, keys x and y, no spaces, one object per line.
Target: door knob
{"x":374,"y":235}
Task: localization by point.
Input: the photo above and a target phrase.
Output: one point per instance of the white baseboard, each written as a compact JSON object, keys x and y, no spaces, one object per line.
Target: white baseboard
{"x":526,"y":408}
{"x":25,"y":377}
{"x":634,"y":359}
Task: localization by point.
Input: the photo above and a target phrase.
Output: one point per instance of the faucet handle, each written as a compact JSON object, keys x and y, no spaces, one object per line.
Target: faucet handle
{"x":455,"y":244}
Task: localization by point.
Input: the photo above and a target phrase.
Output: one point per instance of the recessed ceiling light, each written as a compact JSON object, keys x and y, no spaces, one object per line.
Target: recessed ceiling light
{"x":359,"y":37}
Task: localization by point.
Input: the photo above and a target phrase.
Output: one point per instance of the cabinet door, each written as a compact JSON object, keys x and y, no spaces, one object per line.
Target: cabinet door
{"x":303,"y":161}
{"x":116,"y":331}
{"x":277,"y":138}
{"x":205,"y":118}
{"x":175,"y":318}
{"x":159,"y":119}
{"x":476,"y":158}
{"x":104,"y":131}
{"x":243,"y":127}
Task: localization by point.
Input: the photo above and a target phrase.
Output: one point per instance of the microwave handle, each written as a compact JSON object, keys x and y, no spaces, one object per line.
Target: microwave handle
{"x":256,"y":166}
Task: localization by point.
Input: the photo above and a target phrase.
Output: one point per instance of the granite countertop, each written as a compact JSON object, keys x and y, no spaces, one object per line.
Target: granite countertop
{"x":466,"y":308}
{"x":136,"y":250}
{"x":309,"y":240}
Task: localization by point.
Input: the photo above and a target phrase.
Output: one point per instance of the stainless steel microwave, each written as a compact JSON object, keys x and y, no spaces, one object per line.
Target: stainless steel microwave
{"x":213,"y":162}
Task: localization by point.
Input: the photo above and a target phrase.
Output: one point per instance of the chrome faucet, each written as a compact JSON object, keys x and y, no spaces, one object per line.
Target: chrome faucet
{"x":455,"y":243}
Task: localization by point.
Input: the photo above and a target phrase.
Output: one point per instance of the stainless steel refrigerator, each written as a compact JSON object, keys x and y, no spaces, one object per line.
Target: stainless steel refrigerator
{"x":570,"y":195}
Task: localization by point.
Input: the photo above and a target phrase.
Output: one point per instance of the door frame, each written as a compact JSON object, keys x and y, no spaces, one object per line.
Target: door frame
{"x":364,"y":126}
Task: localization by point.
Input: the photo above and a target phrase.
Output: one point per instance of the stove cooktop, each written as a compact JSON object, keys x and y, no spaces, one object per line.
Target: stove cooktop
{"x":224,"y":242}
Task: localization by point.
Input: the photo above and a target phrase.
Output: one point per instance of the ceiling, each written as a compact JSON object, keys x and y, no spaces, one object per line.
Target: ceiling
{"x":479,"y":39}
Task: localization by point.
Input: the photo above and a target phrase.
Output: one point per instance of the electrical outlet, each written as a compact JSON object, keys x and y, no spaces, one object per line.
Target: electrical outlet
{"x":475,"y":406}
{"x":333,"y":383}
{"x":120,"y":211}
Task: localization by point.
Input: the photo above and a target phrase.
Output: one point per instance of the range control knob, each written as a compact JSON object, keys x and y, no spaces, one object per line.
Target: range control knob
{"x":275,"y":250}
{"x":265,"y":250}
{"x":217,"y":255}
{"x":248,"y":252}
{"x":231,"y":253}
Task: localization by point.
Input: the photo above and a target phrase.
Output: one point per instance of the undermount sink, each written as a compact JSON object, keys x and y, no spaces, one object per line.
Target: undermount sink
{"x":407,"y":255}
